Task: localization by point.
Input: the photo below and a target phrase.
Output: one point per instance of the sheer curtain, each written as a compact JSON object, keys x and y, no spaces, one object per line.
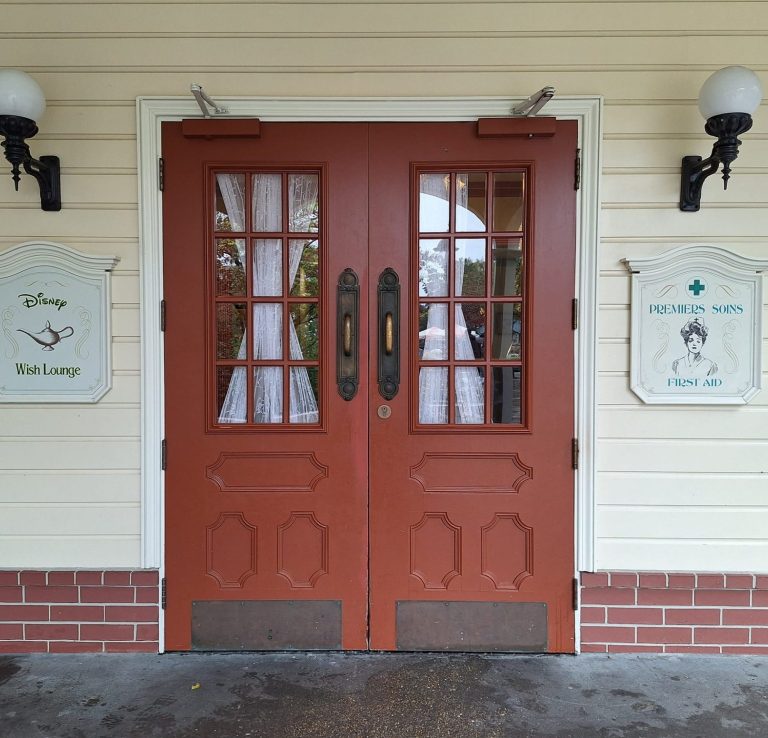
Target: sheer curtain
{"x":267,"y":317}
{"x":469,"y":381}
{"x":433,"y":381}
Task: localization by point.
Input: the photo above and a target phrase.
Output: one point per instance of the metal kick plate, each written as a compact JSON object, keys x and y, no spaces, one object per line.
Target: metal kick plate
{"x":266,"y":625}
{"x":471,"y":626}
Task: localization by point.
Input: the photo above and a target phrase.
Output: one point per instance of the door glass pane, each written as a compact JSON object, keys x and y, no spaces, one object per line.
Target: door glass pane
{"x":508,"y":191}
{"x":470,"y":201}
{"x":303,"y":267}
{"x":230,"y":202}
{"x":303,"y":390}
{"x":507,"y":274}
{"x":470,"y":394}
{"x":470,"y":266}
{"x":434,"y":205}
{"x":506,"y":399}
{"x":267,"y":267}
{"x":230,"y":331}
{"x":507,"y":330}
{"x":230,"y":266}
{"x":433,"y":267}
{"x":267,"y":331}
{"x":230,"y":394}
{"x":304,"y":330}
{"x":267,"y":202}
{"x":267,"y":394}
{"x":469,"y":332}
{"x":433,"y":394}
{"x":302,"y":203}
{"x":433,"y":331}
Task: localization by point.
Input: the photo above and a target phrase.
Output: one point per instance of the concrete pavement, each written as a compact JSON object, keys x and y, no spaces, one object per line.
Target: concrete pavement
{"x":287,"y":695}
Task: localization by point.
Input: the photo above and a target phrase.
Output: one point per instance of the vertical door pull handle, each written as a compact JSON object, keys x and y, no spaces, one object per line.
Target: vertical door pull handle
{"x":347,"y":331}
{"x":389,"y":333}
{"x":347,"y":335}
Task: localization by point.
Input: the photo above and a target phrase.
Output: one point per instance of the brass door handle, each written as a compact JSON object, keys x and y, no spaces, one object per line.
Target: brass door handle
{"x":347,"y":331}
{"x":389,"y":334}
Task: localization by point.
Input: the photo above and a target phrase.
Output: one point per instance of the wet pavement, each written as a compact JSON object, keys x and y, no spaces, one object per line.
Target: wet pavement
{"x":282,"y":695}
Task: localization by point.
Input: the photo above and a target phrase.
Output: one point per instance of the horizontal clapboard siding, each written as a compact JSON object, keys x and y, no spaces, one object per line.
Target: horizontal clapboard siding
{"x":676,"y":487}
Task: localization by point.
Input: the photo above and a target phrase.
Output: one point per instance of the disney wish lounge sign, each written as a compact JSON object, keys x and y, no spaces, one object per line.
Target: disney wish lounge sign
{"x":696,"y":326}
{"x":54,"y":324}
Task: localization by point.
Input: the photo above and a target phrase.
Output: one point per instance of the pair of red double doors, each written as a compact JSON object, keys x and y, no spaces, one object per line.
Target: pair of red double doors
{"x":369,"y":388}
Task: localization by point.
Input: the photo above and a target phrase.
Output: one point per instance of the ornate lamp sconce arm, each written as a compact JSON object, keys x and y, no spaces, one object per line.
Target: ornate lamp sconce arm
{"x":695,"y":170}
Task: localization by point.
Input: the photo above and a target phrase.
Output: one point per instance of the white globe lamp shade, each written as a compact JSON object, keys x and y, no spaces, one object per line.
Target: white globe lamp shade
{"x":20,"y":95}
{"x":730,"y":90}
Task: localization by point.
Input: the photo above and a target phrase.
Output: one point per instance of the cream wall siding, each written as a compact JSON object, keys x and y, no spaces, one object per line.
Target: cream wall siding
{"x":676,"y":487}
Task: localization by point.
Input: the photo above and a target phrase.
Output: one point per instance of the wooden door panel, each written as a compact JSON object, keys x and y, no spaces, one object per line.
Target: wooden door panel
{"x":462,"y":517}
{"x":266,"y":525}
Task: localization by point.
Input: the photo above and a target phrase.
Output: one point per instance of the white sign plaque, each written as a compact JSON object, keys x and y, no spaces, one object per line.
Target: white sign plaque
{"x":55,"y":341}
{"x":696,"y":326}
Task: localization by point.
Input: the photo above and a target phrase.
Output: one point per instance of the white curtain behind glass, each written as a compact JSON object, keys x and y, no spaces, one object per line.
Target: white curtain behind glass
{"x":267,"y":318}
{"x":433,"y":381}
{"x":469,"y":381}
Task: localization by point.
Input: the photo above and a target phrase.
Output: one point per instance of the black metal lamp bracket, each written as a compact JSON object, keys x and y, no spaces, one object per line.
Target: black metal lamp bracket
{"x":46,"y":170}
{"x":695,"y":170}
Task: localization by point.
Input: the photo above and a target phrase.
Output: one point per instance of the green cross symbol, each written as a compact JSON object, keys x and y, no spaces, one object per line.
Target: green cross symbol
{"x":696,"y":287}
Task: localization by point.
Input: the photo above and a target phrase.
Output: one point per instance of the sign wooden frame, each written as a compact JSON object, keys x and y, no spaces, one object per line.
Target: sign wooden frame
{"x":709,"y":299}
{"x":55,"y":333}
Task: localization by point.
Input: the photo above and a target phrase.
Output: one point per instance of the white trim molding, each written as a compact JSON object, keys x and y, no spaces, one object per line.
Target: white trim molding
{"x":153,"y":111}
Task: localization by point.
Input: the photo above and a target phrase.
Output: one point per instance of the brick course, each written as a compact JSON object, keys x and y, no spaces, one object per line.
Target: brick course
{"x":672,"y":612}
{"x":79,"y":611}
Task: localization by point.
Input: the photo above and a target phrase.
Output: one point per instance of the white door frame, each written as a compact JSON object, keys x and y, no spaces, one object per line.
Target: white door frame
{"x":153,"y":111}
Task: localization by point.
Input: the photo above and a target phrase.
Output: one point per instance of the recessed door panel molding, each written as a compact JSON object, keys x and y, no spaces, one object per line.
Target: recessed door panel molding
{"x":507,"y":551}
{"x":435,"y":550}
{"x":266,"y":472}
{"x":302,"y":549}
{"x":231,"y":550}
{"x":467,"y":472}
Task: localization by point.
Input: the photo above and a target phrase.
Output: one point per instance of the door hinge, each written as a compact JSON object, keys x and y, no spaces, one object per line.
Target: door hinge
{"x":162,"y":315}
{"x":163,"y":593}
{"x":574,"y":453}
{"x":576,"y":171}
{"x":161,"y":174}
{"x":575,"y":313}
{"x":574,"y":594}
{"x":163,"y":454}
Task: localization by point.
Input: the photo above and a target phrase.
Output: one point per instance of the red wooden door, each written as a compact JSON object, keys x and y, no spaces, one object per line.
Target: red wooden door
{"x":266,"y":476}
{"x":471,"y":506}
{"x":464,"y":249}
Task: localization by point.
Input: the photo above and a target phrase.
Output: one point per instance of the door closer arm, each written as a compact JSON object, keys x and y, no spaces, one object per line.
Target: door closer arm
{"x":534,"y":103}
{"x":204,"y":102}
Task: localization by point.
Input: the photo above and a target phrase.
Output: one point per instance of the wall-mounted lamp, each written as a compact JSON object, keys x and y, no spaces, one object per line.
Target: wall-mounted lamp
{"x":726,"y":100}
{"x":21,"y":104}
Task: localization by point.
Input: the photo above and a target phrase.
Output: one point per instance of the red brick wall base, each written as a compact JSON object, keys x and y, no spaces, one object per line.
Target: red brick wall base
{"x":78,"y":611}
{"x":638,"y":612}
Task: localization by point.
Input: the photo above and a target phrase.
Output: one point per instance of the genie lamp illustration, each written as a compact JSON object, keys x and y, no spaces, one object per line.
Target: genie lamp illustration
{"x":48,"y":337}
